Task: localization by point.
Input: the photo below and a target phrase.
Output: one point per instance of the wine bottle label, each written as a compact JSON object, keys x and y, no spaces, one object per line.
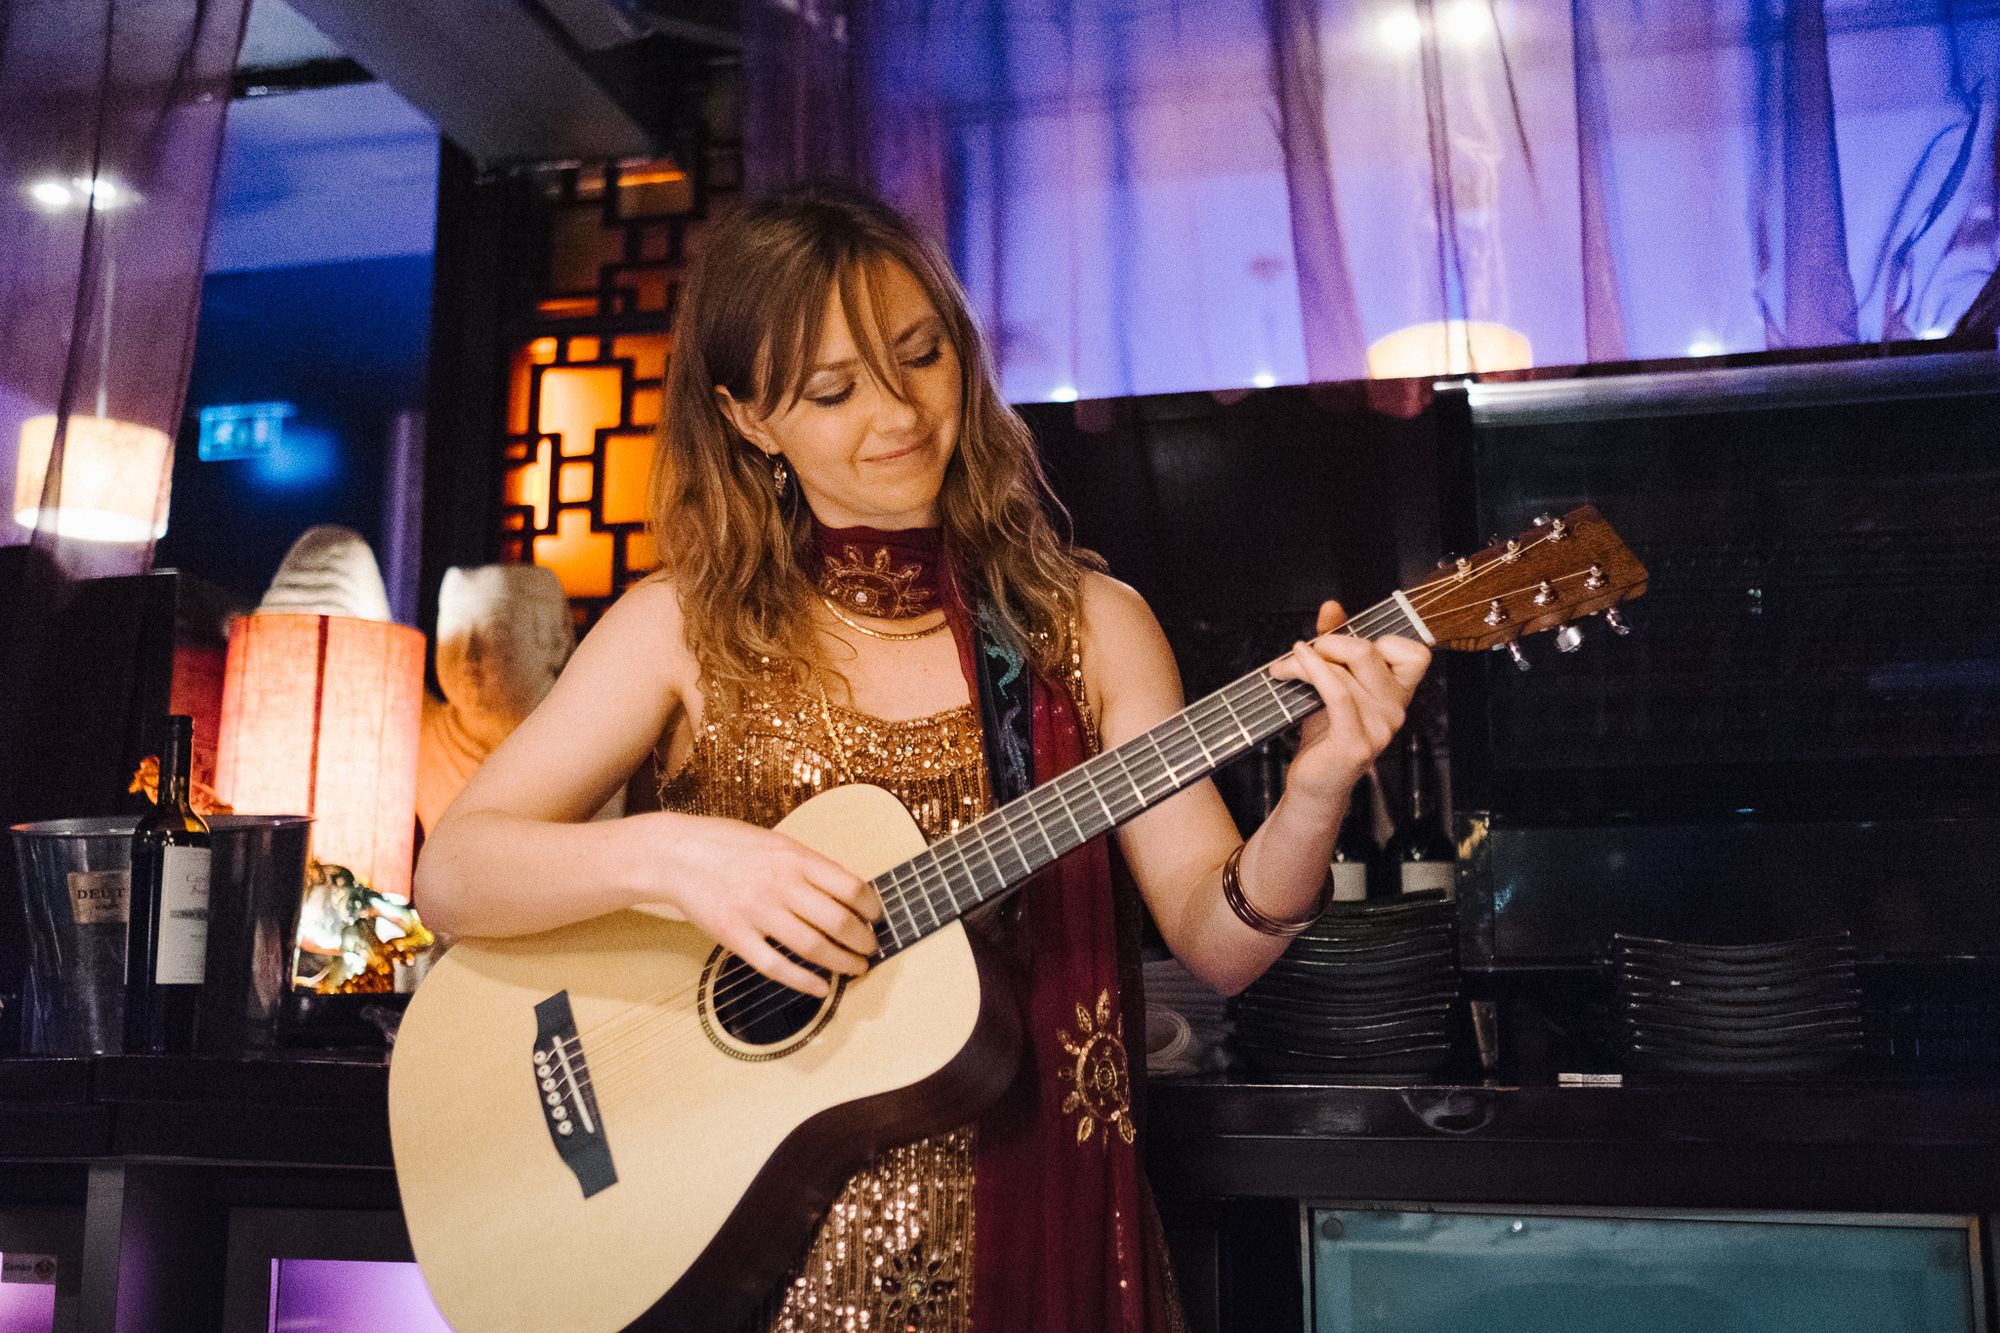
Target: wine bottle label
{"x":1350,"y":881}
{"x":1421,"y":875}
{"x":183,"y":952}
{"x":99,"y":897}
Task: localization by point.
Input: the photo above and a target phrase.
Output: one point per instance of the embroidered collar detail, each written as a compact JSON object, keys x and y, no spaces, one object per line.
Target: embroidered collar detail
{"x":889,"y":575}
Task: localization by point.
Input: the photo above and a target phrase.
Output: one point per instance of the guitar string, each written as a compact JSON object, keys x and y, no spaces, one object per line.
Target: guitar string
{"x":777,"y":994}
{"x":1383,"y":614}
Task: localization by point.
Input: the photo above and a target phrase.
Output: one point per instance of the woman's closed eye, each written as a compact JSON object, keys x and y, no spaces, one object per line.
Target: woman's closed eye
{"x":835,"y":397}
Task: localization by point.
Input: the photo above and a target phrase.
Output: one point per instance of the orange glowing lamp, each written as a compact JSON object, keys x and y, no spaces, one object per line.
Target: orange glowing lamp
{"x":320,"y":716}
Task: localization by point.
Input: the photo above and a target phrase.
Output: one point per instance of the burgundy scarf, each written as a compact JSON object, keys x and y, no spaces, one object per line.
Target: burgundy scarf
{"x":1064,"y":1232}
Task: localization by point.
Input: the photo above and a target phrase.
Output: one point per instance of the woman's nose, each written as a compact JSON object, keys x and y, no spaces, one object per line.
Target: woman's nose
{"x":893,"y":414}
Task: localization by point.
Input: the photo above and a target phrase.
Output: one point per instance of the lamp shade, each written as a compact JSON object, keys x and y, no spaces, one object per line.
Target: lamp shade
{"x":320,"y":716}
{"x":1448,"y":347}
{"x":114,"y":479}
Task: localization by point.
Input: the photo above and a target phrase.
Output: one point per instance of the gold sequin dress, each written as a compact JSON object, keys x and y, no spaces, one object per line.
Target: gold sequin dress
{"x":895,"y":1251}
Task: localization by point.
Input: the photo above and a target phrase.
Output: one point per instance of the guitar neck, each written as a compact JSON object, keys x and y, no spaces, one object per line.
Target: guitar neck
{"x":993,"y":856}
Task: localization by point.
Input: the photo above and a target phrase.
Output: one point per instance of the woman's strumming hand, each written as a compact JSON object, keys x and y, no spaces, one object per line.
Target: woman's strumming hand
{"x":751,"y":888}
{"x":1365,"y":686}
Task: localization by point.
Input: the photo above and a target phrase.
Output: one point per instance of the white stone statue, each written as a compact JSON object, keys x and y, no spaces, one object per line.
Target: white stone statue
{"x":329,"y":571}
{"x":503,"y":635}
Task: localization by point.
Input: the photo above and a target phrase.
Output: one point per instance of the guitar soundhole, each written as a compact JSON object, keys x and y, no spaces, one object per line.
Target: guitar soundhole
{"x":755,"y":1011}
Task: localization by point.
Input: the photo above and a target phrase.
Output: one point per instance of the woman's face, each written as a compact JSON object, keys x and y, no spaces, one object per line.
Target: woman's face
{"x":861,"y":456}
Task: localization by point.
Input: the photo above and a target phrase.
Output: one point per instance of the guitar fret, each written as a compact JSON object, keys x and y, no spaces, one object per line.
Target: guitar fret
{"x":957,"y":848}
{"x":931,"y":907}
{"x":1029,"y":828}
{"x":1125,"y":767}
{"x":1223,"y":695}
{"x":1195,"y":733}
{"x":1068,"y":808}
{"x":1048,"y":843}
{"x":951,"y":896}
{"x":1089,"y":780}
{"x":1173,"y":778}
{"x":888,"y":912}
{"x":1271,"y":684}
{"x":1000,"y":823}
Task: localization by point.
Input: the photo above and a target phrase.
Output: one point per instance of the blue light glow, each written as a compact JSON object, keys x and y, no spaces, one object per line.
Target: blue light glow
{"x":242,"y":430}
{"x":303,"y":458}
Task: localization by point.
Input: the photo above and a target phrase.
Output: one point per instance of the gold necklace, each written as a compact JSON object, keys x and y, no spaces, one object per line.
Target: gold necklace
{"x":876,"y":633}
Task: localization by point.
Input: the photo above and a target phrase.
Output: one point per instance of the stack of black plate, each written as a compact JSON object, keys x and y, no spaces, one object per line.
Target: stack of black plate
{"x":1757,"y":1011}
{"x":1367,"y":992}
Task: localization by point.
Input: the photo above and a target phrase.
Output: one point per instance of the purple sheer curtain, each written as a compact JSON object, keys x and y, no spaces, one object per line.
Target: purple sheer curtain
{"x":112,"y":113}
{"x":1147,"y":198}
{"x":110,"y":121}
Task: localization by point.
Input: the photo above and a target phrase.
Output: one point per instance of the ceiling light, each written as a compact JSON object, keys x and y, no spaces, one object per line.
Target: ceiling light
{"x":1399,"y":32}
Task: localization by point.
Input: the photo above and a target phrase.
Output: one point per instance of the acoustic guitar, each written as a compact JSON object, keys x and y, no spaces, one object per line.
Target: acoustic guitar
{"x":619,"y":1124}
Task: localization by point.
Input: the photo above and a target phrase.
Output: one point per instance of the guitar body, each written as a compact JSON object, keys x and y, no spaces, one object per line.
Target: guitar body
{"x":698,"y":1162}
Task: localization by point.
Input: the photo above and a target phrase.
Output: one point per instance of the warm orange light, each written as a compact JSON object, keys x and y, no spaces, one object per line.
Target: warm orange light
{"x":320,"y":716}
{"x":114,"y":479}
{"x":1448,"y":347}
{"x":659,"y":175}
{"x":581,"y":558}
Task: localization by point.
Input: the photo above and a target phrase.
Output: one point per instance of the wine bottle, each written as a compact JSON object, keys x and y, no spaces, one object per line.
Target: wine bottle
{"x":1354,"y":850}
{"x":166,"y":949}
{"x":1420,"y":851}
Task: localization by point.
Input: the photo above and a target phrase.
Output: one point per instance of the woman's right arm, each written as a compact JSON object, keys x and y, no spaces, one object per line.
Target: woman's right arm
{"x":517,"y":851}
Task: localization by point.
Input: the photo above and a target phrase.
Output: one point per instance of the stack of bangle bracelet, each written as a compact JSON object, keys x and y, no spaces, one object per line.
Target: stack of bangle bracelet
{"x":1247,"y":913}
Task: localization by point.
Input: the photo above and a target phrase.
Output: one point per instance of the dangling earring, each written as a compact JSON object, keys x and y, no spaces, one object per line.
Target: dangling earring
{"x":781,"y":476}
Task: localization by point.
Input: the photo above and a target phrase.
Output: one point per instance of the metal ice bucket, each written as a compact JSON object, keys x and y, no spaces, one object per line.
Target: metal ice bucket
{"x":76,"y":880}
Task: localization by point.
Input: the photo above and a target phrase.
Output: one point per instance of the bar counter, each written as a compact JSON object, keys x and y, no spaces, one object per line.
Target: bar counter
{"x":159,"y":1150}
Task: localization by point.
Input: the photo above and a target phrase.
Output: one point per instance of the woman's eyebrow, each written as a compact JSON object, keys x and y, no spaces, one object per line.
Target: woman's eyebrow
{"x":921,"y":325}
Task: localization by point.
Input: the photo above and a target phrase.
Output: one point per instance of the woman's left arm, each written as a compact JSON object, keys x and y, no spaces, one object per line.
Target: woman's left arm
{"x":1177,"y":849}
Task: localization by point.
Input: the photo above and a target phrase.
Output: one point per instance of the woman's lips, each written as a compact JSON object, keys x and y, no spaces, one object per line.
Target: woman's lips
{"x":890,"y":458}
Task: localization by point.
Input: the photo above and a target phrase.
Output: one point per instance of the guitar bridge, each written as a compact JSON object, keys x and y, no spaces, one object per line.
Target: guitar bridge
{"x":569,"y":1104}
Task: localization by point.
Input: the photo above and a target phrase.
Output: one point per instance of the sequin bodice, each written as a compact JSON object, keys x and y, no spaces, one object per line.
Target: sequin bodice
{"x":895,"y":1250}
{"x":774,"y":751}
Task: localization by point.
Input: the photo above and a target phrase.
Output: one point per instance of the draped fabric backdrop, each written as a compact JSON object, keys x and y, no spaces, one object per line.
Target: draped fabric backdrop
{"x":1146,"y":196}
{"x":110,"y":120}
{"x":111,"y":117}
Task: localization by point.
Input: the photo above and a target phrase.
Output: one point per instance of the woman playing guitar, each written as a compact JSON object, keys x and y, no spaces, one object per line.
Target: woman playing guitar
{"x":854,"y":534}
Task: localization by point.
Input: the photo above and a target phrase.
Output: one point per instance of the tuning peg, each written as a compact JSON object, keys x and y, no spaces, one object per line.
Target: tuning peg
{"x":1513,"y":647}
{"x":1543,"y":520}
{"x":1568,"y":639}
{"x":1616,"y":621}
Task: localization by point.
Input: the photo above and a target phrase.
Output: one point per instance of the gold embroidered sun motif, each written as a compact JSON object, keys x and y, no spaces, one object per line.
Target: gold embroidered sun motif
{"x":872,"y":587}
{"x":1101,"y":1074}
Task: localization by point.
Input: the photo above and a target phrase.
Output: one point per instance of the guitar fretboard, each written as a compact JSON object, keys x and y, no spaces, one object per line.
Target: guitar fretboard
{"x":994,"y":855}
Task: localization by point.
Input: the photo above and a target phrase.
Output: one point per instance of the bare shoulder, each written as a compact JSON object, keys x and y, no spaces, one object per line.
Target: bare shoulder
{"x":648,"y":612}
{"x":643,"y":633}
{"x":1125,"y":652}
{"x":1113,"y":615}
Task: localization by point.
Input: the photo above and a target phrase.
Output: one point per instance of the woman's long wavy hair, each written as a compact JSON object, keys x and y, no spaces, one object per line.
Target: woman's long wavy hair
{"x":750,"y":320}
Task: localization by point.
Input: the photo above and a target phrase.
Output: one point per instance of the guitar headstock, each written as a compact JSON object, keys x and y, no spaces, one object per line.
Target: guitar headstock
{"x":1558,"y":571}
